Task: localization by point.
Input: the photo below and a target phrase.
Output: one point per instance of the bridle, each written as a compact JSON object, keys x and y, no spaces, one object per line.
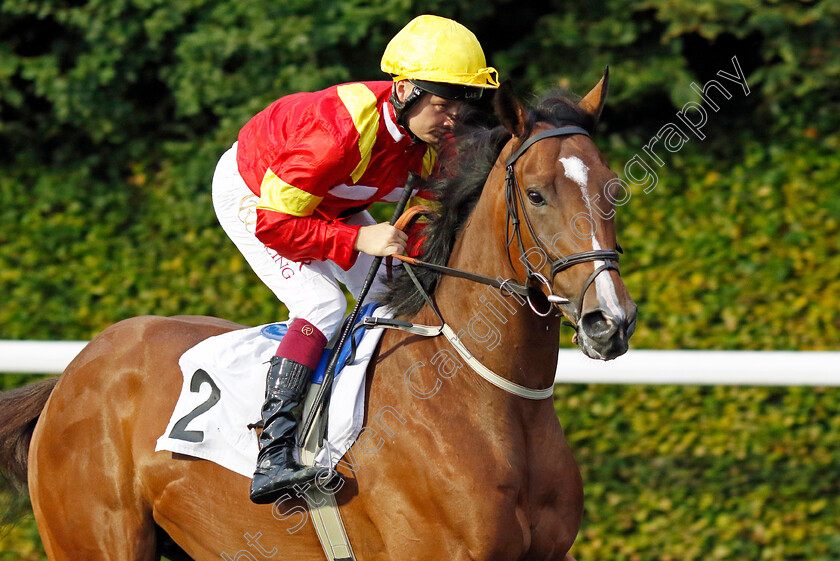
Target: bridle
{"x":530,"y":290}
{"x":513,"y":200}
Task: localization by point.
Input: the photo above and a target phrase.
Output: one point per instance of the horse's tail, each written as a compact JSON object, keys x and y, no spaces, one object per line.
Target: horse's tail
{"x":19,"y":411}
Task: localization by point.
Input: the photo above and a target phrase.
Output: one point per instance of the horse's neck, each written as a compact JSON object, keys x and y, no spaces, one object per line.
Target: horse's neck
{"x":501,"y":332}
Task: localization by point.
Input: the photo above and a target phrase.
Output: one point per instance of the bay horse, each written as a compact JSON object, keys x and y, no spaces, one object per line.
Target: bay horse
{"x":452,"y":466}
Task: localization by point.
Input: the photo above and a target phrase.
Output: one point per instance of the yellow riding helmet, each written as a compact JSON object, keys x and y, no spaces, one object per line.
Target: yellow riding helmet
{"x":432,"y":49}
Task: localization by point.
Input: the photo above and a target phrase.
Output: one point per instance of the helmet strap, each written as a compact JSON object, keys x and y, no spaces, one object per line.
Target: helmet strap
{"x":402,"y":108}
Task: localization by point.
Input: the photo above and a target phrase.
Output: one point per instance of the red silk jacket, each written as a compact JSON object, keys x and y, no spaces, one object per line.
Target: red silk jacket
{"x":314,"y":159}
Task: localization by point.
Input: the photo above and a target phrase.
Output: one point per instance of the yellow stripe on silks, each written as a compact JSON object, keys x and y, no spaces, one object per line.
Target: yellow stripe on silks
{"x":276,"y":194}
{"x":361,"y":103}
{"x":420,"y":201}
{"x":429,"y":159}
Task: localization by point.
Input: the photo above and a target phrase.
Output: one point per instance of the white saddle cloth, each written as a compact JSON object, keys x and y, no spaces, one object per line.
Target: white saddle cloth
{"x":223,"y":392}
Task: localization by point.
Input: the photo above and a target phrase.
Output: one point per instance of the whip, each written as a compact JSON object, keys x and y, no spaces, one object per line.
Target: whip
{"x":329,"y":374}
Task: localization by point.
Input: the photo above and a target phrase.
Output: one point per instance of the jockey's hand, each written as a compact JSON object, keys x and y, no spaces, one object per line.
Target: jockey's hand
{"x":380,"y":240}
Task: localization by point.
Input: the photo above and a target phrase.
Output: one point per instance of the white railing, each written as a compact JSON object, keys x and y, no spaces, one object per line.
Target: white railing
{"x":719,"y":368}
{"x":738,"y":368}
{"x":38,"y":357}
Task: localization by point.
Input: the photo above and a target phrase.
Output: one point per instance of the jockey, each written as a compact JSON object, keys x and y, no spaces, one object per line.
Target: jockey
{"x":309,"y":165}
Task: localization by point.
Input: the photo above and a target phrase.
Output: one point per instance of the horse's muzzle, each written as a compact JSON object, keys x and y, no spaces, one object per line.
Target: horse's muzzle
{"x":604,"y":336}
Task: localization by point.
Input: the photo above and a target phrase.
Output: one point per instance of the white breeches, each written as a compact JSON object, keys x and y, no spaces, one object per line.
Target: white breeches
{"x":309,"y":290}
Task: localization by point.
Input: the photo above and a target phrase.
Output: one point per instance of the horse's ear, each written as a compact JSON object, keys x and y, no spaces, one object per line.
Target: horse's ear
{"x":593,"y":102}
{"x":510,"y":111}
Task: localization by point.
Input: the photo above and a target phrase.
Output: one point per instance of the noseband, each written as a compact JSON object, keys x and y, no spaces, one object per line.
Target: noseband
{"x":513,"y":200}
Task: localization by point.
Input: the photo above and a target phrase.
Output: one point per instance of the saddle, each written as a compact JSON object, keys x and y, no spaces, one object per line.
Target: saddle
{"x":223,"y":387}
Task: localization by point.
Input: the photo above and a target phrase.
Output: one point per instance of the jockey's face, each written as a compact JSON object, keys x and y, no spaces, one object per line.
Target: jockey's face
{"x":431,"y":118}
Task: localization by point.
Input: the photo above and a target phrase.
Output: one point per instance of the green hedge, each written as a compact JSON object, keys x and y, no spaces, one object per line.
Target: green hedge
{"x":739,"y":253}
{"x":674,"y":473}
{"x":112,"y":116}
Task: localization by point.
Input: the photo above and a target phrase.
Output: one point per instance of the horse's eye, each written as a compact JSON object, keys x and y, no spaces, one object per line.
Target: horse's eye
{"x":535,"y":198}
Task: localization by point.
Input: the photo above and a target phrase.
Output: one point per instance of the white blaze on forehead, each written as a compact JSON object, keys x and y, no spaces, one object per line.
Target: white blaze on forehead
{"x":578,"y":172}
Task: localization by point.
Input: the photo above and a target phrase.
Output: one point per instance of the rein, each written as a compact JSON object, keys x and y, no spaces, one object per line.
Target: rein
{"x":513,"y":199}
{"x":505,"y":285}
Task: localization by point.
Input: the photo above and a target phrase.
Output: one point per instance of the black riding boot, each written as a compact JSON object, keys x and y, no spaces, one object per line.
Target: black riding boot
{"x":281,"y":412}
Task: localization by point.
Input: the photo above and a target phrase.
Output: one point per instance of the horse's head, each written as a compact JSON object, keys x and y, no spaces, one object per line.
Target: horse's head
{"x":560,"y":216}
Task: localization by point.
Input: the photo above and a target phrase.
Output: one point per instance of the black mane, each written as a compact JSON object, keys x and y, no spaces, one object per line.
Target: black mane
{"x":464,"y":167}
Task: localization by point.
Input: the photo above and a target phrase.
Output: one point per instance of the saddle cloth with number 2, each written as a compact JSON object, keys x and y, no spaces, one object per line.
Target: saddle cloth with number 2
{"x":223,"y":392}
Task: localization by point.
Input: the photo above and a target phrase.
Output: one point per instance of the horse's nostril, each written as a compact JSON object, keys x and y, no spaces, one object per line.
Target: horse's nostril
{"x":598,"y":326}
